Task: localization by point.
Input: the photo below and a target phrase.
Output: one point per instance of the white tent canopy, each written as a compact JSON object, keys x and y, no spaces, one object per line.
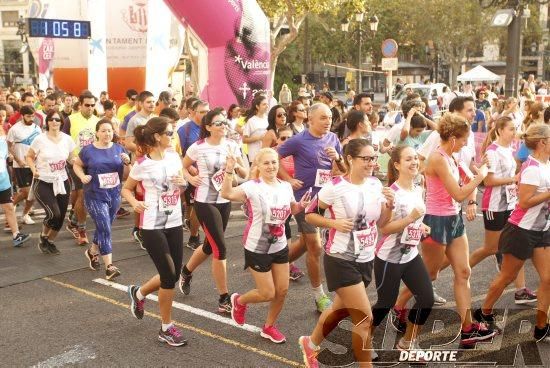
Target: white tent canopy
{"x":478,"y":74}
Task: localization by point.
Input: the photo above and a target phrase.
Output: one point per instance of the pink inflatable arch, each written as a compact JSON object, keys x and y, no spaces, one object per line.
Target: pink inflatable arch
{"x":236,"y":33}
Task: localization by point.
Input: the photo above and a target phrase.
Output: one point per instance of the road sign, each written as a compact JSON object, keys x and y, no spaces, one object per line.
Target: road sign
{"x":389,"y":48}
{"x":389,"y":63}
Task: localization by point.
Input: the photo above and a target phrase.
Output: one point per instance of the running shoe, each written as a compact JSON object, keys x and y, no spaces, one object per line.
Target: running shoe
{"x":525,"y":296}
{"x":52,"y":248}
{"x":172,"y":336}
{"x":82,"y":237}
{"x":294,"y":273}
{"x":398,"y":319}
{"x":27,"y":220}
{"x":478,"y":332}
{"x":137,"y":307}
{"x":43,"y":244}
{"x":185,"y":283}
{"x":122,"y":212}
{"x":238,"y":312}
{"x":224,"y":305}
{"x":309,"y":355}
{"x":487,"y":319}
{"x":438,"y":299}
{"x":323,"y":303}
{"x":73,"y":229}
{"x":404,"y":345}
{"x":20,"y":238}
{"x":498,"y":260}
{"x":542,"y":334}
{"x":31,"y":212}
{"x":111,"y":272}
{"x":93,"y":260}
{"x":136,"y":233}
{"x":271,"y":333}
{"x":194,"y":242}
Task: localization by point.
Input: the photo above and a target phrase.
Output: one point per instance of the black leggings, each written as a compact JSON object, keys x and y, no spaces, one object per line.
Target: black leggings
{"x":415,"y":276}
{"x":213,"y":218}
{"x":165,"y":247}
{"x":54,"y":206}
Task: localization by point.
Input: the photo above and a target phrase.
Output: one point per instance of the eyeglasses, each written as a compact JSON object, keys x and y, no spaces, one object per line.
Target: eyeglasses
{"x":281,"y":114}
{"x":219,"y":123}
{"x":168,"y":133}
{"x":283,"y":138}
{"x":55,"y":119}
{"x":88,"y":105}
{"x":368,"y":158}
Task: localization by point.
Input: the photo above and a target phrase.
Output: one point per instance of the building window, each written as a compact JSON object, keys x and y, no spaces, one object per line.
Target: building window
{"x":10,"y":18}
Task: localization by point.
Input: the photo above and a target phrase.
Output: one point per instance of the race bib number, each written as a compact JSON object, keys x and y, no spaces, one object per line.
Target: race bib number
{"x":57,"y":165}
{"x":85,"y":138}
{"x":277,"y":215}
{"x":217,"y":179}
{"x":168,"y":201}
{"x":412,"y":234}
{"x":322,"y":177}
{"x":108,"y":180}
{"x":511,"y":193}
{"x":364,"y":238}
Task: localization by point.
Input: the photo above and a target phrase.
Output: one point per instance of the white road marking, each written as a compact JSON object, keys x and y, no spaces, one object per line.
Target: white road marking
{"x":186,"y":308}
{"x":78,"y":354}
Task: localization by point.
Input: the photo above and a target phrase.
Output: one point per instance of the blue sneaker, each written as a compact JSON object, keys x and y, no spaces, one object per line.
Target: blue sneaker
{"x":20,"y":239}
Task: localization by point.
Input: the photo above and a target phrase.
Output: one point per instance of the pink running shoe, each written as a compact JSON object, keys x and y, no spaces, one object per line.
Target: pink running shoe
{"x":309,"y":354}
{"x":238,"y":311}
{"x":273,"y":334}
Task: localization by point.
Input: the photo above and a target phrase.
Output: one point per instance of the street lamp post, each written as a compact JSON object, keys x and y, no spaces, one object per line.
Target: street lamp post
{"x":373,"y":21}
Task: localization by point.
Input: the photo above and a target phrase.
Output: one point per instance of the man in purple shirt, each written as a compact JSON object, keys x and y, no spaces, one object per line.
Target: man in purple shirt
{"x":315,"y":151}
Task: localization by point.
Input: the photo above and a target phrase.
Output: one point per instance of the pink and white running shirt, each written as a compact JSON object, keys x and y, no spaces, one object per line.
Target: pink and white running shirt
{"x":268,"y":208}
{"x":536,"y":218}
{"x":210,"y":161}
{"x":503,"y":165}
{"x":362,"y":203}
{"x":160,"y":195}
{"x":402,"y":247}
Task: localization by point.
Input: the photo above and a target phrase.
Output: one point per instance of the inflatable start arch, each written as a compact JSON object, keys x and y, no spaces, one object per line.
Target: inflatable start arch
{"x":237,"y":37}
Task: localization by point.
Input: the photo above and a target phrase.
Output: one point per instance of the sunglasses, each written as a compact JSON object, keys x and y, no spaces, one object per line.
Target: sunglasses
{"x":168,"y":133}
{"x":368,"y":158}
{"x":133,"y":98}
{"x":55,"y":119}
{"x":88,"y":105}
{"x":219,"y":123}
{"x":300,"y":110}
{"x":203,"y":112}
{"x":283,"y":138}
{"x":281,"y":114}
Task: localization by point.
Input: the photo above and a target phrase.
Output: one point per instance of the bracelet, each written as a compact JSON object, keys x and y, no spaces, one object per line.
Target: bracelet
{"x":229,"y":173}
{"x":472,"y":202}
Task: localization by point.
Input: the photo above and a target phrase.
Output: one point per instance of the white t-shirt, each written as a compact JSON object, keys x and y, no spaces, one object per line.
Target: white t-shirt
{"x":160,"y":195}
{"x":51,"y":157}
{"x":536,"y":218}
{"x":210,"y":161}
{"x":255,"y":127}
{"x":394,"y":133}
{"x":22,"y":136}
{"x":502,"y":165}
{"x":362,"y":203}
{"x":517,"y":117}
{"x":466,"y":154}
{"x":400,"y":248}
{"x":268,"y":208}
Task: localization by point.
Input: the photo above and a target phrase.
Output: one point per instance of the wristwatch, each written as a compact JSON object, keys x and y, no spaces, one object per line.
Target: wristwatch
{"x":470,"y":202}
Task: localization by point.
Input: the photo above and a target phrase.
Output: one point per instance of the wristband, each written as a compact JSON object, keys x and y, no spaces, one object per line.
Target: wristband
{"x":470,"y":202}
{"x":229,"y":173}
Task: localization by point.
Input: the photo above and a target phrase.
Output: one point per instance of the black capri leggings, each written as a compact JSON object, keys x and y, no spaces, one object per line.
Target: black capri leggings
{"x":54,"y":206}
{"x":415,"y":276}
{"x":165,"y":247}
{"x":213,"y":218}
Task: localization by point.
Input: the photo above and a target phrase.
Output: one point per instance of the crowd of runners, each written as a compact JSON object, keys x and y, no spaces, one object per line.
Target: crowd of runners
{"x":315,"y":162}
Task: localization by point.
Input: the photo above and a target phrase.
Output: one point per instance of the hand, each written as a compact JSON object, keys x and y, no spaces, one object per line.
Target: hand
{"x":485,"y":160}
{"x":481,"y":171}
{"x":193,"y":170}
{"x":426,"y":230}
{"x":230,"y":162}
{"x":35,"y":174}
{"x":139,"y":207}
{"x":86,"y":179}
{"x":389,"y":195}
{"x":178,"y":180}
{"x":411,"y":113}
{"x":296,"y":184}
{"x":195,"y":181}
{"x":417,"y":213}
{"x":471,"y":210}
{"x":343,"y":225}
{"x":125,"y":158}
{"x":306,"y":199}
{"x":515,"y":179}
{"x":331,"y":153}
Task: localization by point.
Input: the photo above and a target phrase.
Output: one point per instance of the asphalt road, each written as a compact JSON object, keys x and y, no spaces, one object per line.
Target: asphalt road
{"x":57,"y":312}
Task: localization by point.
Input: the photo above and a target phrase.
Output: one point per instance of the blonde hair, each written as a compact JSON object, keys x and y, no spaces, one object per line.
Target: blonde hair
{"x":452,"y":125}
{"x":255,"y":174}
{"x":535,"y":113}
{"x":534,"y":134}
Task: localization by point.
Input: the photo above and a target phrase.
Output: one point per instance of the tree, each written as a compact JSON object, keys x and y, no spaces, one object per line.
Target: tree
{"x":291,"y":13}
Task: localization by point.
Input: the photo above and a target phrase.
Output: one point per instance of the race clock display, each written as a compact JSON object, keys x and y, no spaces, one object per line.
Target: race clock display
{"x":58,"y":28}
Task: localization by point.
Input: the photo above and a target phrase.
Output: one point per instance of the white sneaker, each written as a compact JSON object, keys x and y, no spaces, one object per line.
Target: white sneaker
{"x":28,"y":220}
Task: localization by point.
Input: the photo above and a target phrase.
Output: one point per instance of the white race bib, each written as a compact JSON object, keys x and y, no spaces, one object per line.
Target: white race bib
{"x":511,"y":193}
{"x":57,"y":165}
{"x":108,"y":180}
{"x":217,"y":179}
{"x":168,"y":201}
{"x":412,"y":234}
{"x":277,"y":215}
{"x":322,"y":177}
{"x":364,"y":238}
